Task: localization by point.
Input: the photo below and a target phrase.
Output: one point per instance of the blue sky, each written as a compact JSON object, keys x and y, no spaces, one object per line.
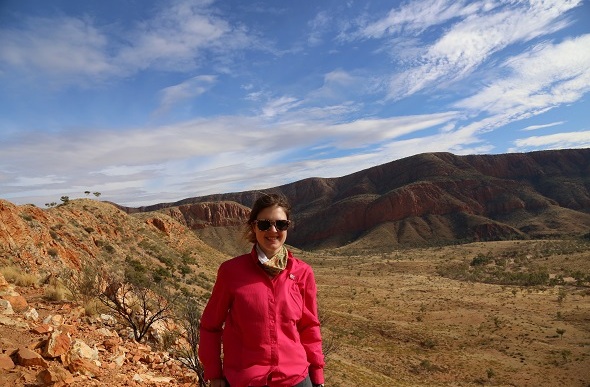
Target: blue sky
{"x":156,"y":101}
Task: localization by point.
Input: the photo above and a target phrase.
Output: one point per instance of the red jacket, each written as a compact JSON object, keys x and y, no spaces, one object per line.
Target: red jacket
{"x":269,"y":326}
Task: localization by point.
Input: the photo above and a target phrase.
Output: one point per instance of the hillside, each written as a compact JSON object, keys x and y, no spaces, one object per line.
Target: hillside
{"x":427,"y":199}
{"x":84,"y":230}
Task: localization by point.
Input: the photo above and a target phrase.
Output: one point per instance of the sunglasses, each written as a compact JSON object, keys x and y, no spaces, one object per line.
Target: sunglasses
{"x":280,"y":225}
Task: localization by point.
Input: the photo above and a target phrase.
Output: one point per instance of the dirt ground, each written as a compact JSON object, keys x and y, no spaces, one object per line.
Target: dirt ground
{"x":395,"y":322}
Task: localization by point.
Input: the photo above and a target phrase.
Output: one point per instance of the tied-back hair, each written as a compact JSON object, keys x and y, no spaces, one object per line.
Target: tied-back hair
{"x":265,"y":201}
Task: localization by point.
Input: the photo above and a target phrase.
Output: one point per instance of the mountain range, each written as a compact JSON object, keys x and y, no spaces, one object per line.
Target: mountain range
{"x":422,"y":200}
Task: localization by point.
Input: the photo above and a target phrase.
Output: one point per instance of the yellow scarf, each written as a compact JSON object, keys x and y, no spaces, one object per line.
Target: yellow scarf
{"x":275,"y":264}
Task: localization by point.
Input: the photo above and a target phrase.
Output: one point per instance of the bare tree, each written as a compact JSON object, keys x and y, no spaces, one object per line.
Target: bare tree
{"x":190,"y":320}
{"x":138,"y":305}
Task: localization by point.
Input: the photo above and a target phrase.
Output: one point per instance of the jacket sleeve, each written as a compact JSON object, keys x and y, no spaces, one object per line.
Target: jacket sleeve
{"x":211,"y":328}
{"x":309,"y":330}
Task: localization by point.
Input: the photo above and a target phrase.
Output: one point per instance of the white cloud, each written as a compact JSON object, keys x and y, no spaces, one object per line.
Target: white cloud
{"x":538,"y":80}
{"x":317,"y":27}
{"x":536,"y":127}
{"x":338,"y":84}
{"x":204,"y":156}
{"x":553,"y":141}
{"x":477,"y":31}
{"x":174,"y":37}
{"x":25,"y":181}
{"x":70,"y":50}
{"x":279,"y":105}
{"x":417,"y":16}
{"x":190,"y":88}
{"x":58,"y":47}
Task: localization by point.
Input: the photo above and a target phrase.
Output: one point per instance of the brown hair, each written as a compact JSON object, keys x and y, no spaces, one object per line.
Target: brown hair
{"x":265,"y":201}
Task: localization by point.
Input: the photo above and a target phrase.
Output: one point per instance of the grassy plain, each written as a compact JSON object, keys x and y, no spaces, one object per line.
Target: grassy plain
{"x":396,"y":320}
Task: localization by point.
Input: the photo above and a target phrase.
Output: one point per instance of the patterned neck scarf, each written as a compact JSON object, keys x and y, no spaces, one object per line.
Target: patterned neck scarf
{"x":275,"y":264}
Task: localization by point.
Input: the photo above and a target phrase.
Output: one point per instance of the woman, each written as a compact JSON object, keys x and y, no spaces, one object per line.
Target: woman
{"x":263,"y":307}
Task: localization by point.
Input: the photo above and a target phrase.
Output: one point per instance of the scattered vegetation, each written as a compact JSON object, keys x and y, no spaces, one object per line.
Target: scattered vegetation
{"x":56,"y":291}
{"x":17,"y":276}
{"x":190,"y":320}
{"x":520,"y":267}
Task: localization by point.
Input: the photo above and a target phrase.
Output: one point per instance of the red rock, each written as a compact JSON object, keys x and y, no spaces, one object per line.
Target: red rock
{"x":6,"y":362}
{"x":68,"y":328}
{"x":84,"y":366}
{"x":18,"y":302}
{"x":58,"y":344}
{"x":42,"y":329}
{"x":111,"y":343}
{"x":3,"y":283}
{"x":55,"y":376}
{"x":27,"y":358}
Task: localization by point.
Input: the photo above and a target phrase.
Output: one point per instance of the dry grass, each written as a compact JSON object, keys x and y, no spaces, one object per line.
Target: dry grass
{"x":16,"y":276}
{"x":57,"y":291}
{"x":400,"y":323}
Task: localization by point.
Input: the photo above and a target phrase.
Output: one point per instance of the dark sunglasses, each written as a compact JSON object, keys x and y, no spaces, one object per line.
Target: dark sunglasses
{"x":280,"y":225}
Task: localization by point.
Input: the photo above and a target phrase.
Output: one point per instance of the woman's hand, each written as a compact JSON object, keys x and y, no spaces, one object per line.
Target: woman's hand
{"x":218,"y":383}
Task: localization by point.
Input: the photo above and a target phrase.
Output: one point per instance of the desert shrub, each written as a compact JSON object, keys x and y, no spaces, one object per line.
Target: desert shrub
{"x":135,"y":272}
{"x":428,"y":343}
{"x":138,"y":305}
{"x":83,"y":284}
{"x":184,"y":269}
{"x":56,"y":291}
{"x":26,"y":217}
{"x":481,"y":260}
{"x":165,"y":260}
{"x":93,"y":307}
{"x":188,"y":259}
{"x":190,"y":320}
{"x":16,"y":276}
{"x":169,"y":339}
{"x":160,"y":273}
{"x":521,"y":271}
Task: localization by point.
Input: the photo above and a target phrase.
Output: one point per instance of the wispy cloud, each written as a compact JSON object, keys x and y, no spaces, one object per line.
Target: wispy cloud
{"x":478,"y":30}
{"x":279,"y":105}
{"x":180,"y":36}
{"x":59,"y":48}
{"x":539,"y":79}
{"x":317,"y":27}
{"x":553,"y":141}
{"x":186,"y":90}
{"x":537,"y":127}
{"x":181,"y":152}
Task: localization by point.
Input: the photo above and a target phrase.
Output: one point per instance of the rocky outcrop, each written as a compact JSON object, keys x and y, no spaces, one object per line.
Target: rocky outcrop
{"x":216,"y":214}
{"x":64,"y":237}
{"x":64,"y":347}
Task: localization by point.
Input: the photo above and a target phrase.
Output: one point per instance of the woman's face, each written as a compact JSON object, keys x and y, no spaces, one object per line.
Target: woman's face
{"x":271,"y":240}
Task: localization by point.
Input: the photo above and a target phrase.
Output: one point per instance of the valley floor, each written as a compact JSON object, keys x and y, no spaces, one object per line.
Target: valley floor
{"x":395,"y":322}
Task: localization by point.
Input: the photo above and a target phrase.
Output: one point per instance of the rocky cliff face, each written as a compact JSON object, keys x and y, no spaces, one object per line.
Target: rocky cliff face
{"x":201,"y":215}
{"x":423,"y":199}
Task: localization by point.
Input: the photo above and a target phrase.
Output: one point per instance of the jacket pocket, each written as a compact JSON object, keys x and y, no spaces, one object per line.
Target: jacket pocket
{"x":294,"y":302}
